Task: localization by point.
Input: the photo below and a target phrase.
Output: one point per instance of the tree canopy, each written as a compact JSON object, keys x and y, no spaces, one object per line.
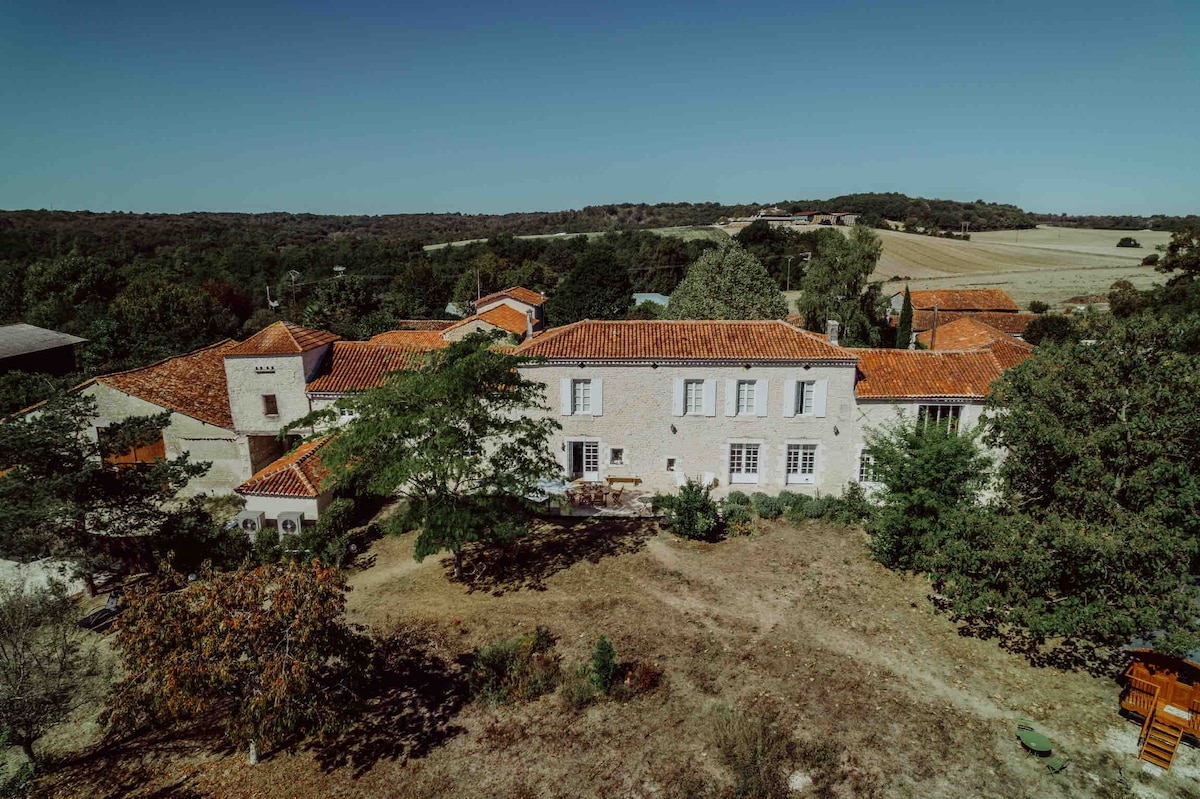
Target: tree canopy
{"x":727,"y":283}
{"x":455,"y":438}
{"x":836,"y":286}
{"x":62,"y":496}
{"x":269,"y":645}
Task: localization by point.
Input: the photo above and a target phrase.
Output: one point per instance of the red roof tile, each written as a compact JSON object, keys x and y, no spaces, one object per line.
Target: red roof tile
{"x":361,"y":365}
{"x":964,"y":300}
{"x":297,"y":474}
{"x":283,"y":338}
{"x":900,"y":374}
{"x":968,"y":332}
{"x":423,"y":324}
{"x":683,"y":340}
{"x":193,"y":384}
{"x":518,"y":293}
{"x":412,"y":339}
{"x":1011,"y":323}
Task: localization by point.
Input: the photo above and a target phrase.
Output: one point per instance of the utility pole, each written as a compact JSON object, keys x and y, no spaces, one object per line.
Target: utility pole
{"x":789,"y":273}
{"x":933,"y":336}
{"x":293,"y":274}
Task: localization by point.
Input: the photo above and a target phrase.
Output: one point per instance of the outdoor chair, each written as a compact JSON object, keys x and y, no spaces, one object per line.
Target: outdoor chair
{"x":615,"y":498}
{"x":1056,"y":764}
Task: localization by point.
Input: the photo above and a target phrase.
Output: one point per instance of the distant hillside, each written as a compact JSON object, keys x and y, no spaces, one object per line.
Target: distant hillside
{"x":26,"y":234}
{"x":1156,"y":222}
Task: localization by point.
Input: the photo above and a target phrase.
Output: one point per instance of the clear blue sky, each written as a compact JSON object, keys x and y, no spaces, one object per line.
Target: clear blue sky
{"x":393,"y":107}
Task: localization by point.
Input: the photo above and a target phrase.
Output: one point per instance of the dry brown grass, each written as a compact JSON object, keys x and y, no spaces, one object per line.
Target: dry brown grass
{"x":879,"y":694}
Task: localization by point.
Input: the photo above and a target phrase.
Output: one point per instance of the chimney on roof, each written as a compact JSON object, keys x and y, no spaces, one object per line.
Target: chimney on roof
{"x":529,"y":323}
{"x":831,"y":331}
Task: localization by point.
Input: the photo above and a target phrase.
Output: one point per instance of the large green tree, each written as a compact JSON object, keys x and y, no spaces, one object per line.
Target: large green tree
{"x":727,"y":283}
{"x":268,"y":646}
{"x":1181,"y":258}
{"x":595,"y":289}
{"x":459,"y":438}
{"x":836,"y":286}
{"x":61,"y":495}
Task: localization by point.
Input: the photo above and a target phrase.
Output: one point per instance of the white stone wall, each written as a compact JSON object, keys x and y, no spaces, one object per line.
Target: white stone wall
{"x":202,"y":441}
{"x":514,"y":304}
{"x":273,"y":506}
{"x":248,"y":386}
{"x":638,"y":414}
{"x":461,"y":332}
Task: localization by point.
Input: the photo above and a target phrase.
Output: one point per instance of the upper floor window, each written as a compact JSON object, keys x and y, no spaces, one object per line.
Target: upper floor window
{"x":745,"y":397}
{"x":805,"y":394}
{"x":693,"y":397}
{"x":947,"y":415}
{"x":270,"y":405}
{"x":581,"y":396}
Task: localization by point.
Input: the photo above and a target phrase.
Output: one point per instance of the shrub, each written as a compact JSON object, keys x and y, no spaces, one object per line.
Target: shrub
{"x":852,"y":507}
{"x":1037,"y":306}
{"x":266,"y":546}
{"x":692,"y":513}
{"x":516,"y":670}
{"x":756,"y":749}
{"x":791,"y":499}
{"x":1150,"y":260}
{"x":737,"y":498}
{"x":767,"y":506}
{"x":604,"y":665}
{"x":578,"y":691}
{"x":1128,"y":241}
{"x":738,"y":519}
{"x":642,"y":678}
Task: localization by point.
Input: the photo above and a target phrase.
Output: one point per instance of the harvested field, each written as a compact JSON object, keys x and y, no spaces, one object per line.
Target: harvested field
{"x":880,"y":692}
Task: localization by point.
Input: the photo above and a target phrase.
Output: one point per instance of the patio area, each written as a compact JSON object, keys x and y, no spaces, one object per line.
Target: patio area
{"x":582,"y":498}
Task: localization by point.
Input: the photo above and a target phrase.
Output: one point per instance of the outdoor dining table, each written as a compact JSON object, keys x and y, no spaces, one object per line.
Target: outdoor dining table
{"x":1034,"y":741}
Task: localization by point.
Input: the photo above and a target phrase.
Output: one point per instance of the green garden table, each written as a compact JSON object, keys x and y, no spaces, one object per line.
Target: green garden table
{"x":1035,"y":742}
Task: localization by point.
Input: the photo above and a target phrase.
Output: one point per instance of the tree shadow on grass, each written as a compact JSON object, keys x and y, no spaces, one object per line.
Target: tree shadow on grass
{"x":550,"y":547}
{"x":409,"y":703}
{"x":120,"y":766}
{"x":1062,"y":654}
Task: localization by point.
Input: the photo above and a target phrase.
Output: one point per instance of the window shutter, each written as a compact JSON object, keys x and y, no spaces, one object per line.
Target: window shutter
{"x":678,"y":403}
{"x":789,"y":397}
{"x":731,"y":398}
{"x":566,"y":396}
{"x":597,"y":397}
{"x":820,"y":392}
{"x":710,"y":397}
{"x":760,"y":398}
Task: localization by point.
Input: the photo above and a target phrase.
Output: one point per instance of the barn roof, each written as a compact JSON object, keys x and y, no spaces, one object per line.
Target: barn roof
{"x":23,"y":339}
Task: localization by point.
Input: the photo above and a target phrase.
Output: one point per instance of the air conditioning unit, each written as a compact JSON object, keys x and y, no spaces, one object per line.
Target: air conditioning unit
{"x":252,"y":522}
{"x":289,"y":524}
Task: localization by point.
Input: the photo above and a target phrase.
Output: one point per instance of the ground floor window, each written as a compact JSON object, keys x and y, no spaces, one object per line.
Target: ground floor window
{"x":616,"y":456}
{"x":866,"y":468}
{"x":801,"y":463}
{"x":743,"y":463}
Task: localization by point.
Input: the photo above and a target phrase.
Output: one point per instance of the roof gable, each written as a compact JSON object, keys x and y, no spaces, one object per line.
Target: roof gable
{"x":967,"y":332}
{"x":283,"y":338}
{"x":504,"y":317}
{"x":297,"y":474}
{"x":518,"y":293}
{"x":193,"y":384}
{"x":769,"y":340}
{"x":22,"y":339}
{"x":913,"y":374}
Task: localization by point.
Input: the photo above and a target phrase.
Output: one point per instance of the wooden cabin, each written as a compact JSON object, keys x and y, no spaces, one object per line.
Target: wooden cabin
{"x":1165,"y":692}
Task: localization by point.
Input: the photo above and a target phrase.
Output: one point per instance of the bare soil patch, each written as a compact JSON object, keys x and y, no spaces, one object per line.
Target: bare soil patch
{"x":858,"y":665}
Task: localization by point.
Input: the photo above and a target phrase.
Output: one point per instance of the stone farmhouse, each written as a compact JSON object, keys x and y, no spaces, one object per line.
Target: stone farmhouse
{"x":752,"y":405}
{"x":938,"y":307}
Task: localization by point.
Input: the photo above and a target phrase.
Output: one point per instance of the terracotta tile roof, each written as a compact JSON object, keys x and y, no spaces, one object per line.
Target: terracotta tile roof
{"x":518,"y":293}
{"x":683,"y":340}
{"x":297,"y":474}
{"x":360,"y":365}
{"x":968,"y":332}
{"x":283,"y":338}
{"x":1011,"y":323}
{"x":423,"y":324}
{"x":413,"y":339}
{"x":901,"y":374}
{"x":964,"y":300}
{"x":502,"y":316}
{"x":192,"y":384}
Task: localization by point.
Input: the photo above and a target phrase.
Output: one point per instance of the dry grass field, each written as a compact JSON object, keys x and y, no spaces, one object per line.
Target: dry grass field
{"x":880,"y":694}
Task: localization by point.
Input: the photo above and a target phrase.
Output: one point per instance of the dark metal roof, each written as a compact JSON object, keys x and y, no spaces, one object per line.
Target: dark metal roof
{"x":22,"y":339}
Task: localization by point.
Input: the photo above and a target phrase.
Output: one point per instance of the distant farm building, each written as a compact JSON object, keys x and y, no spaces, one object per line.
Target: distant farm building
{"x":27,"y":348}
{"x":940,"y":307}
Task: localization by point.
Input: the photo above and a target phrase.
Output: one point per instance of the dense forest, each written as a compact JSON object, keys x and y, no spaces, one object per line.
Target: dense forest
{"x":917,"y":212}
{"x":1120,"y":222}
